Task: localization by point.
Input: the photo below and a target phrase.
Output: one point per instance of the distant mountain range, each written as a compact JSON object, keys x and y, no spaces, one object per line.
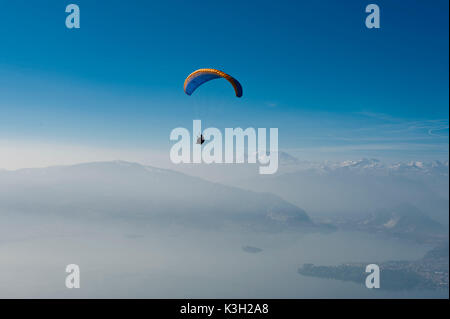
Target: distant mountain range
{"x":358,"y":186}
{"x":128,"y":190}
{"x":131,"y":191}
{"x":368,"y":164}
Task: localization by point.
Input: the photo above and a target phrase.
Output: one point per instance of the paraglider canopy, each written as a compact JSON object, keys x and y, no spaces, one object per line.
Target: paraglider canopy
{"x":197,"y":78}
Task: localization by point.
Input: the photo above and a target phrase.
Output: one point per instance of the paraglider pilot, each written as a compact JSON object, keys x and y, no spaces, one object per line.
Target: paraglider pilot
{"x":200,"y":139}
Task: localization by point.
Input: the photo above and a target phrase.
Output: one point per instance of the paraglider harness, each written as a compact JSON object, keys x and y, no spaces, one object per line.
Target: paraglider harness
{"x":200,"y":139}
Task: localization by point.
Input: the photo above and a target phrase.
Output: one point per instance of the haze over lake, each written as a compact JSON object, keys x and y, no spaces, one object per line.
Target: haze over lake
{"x":130,"y":243}
{"x":132,"y":261}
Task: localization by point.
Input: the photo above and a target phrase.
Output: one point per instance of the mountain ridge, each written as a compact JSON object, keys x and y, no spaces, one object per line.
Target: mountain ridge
{"x":131,"y":190}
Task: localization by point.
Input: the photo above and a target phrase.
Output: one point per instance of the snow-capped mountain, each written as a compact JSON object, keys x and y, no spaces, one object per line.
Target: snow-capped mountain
{"x":360,"y":186}
{"x":364,"y":165}
{"x":435,"y":167}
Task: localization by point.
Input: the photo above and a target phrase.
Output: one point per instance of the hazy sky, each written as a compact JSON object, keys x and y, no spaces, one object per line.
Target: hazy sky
{"x":312,"y":69}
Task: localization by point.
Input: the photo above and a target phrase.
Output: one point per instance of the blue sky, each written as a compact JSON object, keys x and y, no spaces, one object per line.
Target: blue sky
{"x":310,"y":68}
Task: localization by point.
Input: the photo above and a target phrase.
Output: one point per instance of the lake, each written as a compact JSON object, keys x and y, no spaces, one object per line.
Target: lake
{"x":134,"y":260}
